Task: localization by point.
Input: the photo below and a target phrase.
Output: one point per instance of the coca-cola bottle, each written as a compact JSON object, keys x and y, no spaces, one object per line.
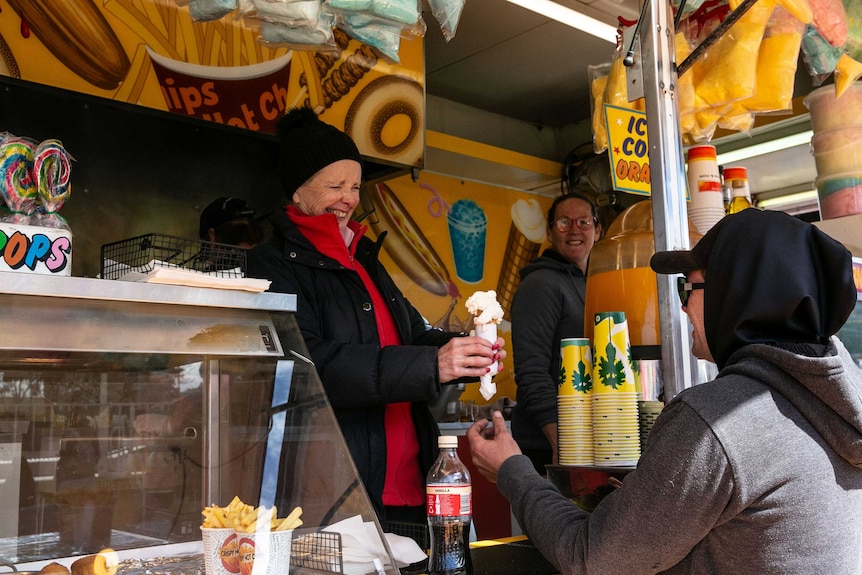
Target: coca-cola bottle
{"x":449,"y":502}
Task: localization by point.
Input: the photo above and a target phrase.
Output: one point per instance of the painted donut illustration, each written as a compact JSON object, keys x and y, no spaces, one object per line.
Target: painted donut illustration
{"x":383,"y":101}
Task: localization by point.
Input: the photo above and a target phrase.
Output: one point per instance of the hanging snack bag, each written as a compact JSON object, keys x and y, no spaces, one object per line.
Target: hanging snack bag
{"x":727,"y":72}
{"x":447,"y":13}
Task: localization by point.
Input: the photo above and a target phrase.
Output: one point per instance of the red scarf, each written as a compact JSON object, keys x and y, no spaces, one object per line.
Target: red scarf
{"x":404,"y":483}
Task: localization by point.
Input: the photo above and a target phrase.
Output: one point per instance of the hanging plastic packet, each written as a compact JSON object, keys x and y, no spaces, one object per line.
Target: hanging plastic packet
{"x":598,"y":78}
{"x":404,"y":11}
{"x":853,"y":10}
{"x":776,"y":64}
{"x":380,"y":34}
{"x":727,"y":72}
{"x":830,"y":19}
{"x":819,"y":55}
{"x":684,"y":87}
{"x":295,"y":14}
{"x":17,"y":184}
{"x":447,"y":13}
{"x":244,"y":9}
{"x":209,"y":10}
{"x":308,"y":36}
{"x":350,"y":5}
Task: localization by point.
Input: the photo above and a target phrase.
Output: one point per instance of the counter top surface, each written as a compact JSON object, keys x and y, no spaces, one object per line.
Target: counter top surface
{"x":123,"y":291}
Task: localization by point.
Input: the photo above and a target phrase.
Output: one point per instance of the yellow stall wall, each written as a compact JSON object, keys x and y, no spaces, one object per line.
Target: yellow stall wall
{"x":424,"y":267}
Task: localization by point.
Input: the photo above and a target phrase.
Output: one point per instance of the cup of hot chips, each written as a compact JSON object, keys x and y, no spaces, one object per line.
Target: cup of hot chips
{"x":236,"y":536}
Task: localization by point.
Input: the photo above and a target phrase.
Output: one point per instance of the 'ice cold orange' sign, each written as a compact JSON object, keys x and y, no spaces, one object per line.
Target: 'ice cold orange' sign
{"x":35,"y":249}
{"x":628,"y":149}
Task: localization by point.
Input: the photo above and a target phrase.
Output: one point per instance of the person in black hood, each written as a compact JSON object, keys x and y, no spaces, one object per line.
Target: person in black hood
{"x":757,"y":472}
{"x":549,"y":306}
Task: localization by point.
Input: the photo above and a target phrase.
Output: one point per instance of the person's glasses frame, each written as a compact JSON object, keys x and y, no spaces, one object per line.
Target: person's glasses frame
{"x":684,"y":289}
{"x":564,"y":224}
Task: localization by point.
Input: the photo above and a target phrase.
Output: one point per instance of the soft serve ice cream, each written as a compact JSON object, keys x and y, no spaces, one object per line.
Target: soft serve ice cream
{"x":487,"y":313}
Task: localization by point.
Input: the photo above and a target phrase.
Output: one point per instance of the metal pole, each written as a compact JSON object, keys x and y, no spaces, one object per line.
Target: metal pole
{"x":668,"y":185}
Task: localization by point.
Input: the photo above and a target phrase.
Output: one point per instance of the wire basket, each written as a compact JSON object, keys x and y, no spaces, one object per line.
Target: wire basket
{"x":418,"y":532}
{"x":144,"y":254}
{"x":317,"y":550}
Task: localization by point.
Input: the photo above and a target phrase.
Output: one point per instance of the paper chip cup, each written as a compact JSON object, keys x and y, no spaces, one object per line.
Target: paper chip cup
{"x":221,"y":555}
{"x":265,"y":552}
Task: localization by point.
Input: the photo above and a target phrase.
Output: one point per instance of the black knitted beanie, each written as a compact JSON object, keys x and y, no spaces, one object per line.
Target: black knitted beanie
{"x":309,"y":145}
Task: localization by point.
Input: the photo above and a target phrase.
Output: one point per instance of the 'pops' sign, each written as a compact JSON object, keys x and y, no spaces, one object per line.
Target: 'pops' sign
{"x":35,"y":249}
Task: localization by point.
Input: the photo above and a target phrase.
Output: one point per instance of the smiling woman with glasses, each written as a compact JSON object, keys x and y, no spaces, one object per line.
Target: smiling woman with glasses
{"x":684,"y":288}
{"x":548,"y":305}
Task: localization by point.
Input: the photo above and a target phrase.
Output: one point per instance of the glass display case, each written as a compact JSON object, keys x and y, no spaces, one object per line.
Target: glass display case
{"x":127,"y":408}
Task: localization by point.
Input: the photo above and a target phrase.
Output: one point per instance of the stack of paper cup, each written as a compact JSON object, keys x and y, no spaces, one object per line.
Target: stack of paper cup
{"x":616,"y":439}
{"x":650,"y":401}
{"x":574,"y":408}
{"x":706,"y":200}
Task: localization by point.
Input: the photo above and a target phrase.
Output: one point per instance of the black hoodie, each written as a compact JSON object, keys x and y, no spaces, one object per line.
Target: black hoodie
{"x":772,"y":278}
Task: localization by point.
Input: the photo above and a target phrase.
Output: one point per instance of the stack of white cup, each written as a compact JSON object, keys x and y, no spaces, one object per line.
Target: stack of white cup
{"x":706,"y":201}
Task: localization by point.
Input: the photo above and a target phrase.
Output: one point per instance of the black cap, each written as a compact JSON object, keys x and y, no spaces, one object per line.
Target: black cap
{"x":223,"y":210}
{"x":685,"y":261}
{"x":308,"y":145}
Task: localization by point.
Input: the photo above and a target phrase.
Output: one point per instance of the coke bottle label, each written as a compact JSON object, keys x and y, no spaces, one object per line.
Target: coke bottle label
{"x":448,"y":500}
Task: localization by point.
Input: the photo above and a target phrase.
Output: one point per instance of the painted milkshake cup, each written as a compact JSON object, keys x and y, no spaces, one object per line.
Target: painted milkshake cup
{"x":467,"y":228}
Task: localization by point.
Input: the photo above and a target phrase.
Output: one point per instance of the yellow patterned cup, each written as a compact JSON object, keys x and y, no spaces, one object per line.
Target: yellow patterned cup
{"x":612,"y":363}
{"x":576,"y":367}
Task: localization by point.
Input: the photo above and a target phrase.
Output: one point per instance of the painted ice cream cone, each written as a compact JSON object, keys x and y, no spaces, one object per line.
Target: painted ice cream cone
{"x":526,"y":234}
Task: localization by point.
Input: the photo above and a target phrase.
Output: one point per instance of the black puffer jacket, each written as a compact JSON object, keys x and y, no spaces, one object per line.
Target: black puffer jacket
{"x":548,"y":306}
{"x":335,"y":316}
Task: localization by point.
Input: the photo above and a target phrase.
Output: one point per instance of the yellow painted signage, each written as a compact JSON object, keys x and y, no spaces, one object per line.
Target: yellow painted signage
{"x":628,"y":149}
{"x":154,"y":54}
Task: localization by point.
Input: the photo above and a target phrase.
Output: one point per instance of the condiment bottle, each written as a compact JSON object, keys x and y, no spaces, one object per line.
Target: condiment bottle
{"x":736,"y":179}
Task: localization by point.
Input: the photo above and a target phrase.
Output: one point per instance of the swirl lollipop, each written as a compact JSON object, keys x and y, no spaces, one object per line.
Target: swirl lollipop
{"x":18,"y":187}
{"x":52,"y":168}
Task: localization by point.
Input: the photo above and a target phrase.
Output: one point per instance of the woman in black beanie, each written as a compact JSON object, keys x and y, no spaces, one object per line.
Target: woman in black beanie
{"x":379,"y":360}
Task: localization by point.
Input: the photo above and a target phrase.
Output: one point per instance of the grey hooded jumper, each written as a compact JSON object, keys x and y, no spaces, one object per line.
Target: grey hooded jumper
{"x":757,"y":472}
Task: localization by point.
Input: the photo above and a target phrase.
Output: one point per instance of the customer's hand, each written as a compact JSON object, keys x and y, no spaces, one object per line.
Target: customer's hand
{"x":469,"y":356}
{"x":491,"y":446}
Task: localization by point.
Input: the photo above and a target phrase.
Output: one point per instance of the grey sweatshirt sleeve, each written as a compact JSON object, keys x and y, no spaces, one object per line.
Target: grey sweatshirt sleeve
{"x":679,"y":491}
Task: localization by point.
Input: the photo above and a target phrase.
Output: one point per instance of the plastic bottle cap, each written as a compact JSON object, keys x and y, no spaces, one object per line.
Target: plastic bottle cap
{"x":703,"y":152}
{"x":735,"y":173}
{"x":447,"y":441}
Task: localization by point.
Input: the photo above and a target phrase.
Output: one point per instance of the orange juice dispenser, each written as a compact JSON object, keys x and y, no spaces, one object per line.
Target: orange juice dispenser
{"x":620,"y":279}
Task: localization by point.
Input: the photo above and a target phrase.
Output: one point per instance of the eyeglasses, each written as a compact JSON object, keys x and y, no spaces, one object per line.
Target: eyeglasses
{"x":685,"y":288}
{"x":564,"y":224}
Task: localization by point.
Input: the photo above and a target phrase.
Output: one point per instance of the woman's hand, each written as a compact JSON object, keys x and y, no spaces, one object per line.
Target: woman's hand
{"x":469,"y":356}
{"x":491,"y":446}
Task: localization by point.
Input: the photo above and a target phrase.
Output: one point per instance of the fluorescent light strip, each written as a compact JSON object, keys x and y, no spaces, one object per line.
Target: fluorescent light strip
{"x":797,"y":198}
{"x":765,"y":148}
{"x":571,"y":18}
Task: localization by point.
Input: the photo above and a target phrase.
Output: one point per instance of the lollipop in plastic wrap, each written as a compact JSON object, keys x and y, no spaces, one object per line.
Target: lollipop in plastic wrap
{"x":487,"y":313}
{"x":52,"y":170}
{"x":16,"y":174}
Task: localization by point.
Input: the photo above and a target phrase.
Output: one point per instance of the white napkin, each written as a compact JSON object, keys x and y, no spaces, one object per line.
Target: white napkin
{"x":487,"y":387}
{"x":361,"y":545}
